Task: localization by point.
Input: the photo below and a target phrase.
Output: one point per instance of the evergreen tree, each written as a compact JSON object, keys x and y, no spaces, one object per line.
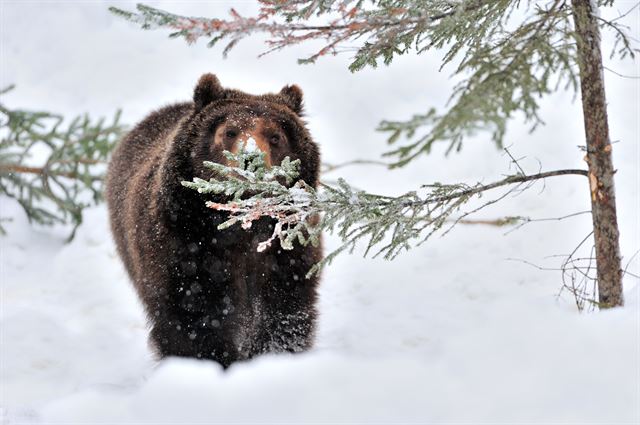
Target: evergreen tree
{"x":509,"y":54}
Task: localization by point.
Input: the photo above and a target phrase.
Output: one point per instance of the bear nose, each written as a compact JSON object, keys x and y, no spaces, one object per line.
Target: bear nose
{"x":254,"y":144}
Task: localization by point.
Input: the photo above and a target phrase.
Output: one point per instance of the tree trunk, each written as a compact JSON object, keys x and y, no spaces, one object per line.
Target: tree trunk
{"x":603,"y":200}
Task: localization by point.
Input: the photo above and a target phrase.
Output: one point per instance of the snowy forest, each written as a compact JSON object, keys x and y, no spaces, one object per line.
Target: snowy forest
{"x":296,"y":211}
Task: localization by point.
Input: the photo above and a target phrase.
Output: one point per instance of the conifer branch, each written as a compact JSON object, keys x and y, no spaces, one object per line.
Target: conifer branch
{"x":387,"y":225}
{"x":506,"y":66}
{"x":66,"y":175}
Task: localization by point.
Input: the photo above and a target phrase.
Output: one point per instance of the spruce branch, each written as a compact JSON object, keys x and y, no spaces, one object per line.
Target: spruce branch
{"x":387,"y":225}
{"x":346,"y":23}
{"x":510,"y":53}
{"x":54,"y":171}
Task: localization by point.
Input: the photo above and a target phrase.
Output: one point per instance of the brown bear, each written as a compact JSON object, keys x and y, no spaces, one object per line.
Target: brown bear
{"x":208,"y":293}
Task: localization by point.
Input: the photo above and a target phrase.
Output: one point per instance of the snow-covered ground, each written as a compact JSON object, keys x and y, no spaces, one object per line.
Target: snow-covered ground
{"x":451,"y":332}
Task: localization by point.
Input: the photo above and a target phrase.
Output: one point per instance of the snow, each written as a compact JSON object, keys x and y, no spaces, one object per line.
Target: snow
{"x":450,"y":332}
{"x":250,"y":145}
{"x":299,"y":196}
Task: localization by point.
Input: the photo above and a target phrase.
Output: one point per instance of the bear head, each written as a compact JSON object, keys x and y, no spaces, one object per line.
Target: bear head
{"x":228,"y":119}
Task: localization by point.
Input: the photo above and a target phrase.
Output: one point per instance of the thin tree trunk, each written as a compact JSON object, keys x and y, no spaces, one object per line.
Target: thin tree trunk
{"x":601,"y":171}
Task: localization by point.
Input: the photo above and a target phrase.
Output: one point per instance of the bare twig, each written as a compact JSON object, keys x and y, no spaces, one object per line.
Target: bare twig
{"x":328,"y":167}
{"x":632,"y":77}
{"x":526,"y":220}
{"x":507,"y":181}
{"x":41,"y":171}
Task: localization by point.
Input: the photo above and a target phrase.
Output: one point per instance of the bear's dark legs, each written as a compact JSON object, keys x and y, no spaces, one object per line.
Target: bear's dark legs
{"x":288,"y":316}
{"x":291,"y":332}
{"x":287,"y":325}
{"x":200,"y":338}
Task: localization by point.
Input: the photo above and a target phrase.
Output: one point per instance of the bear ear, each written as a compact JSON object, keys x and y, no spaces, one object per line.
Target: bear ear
{"x":292,"y":96}
{"x":207,"y":90}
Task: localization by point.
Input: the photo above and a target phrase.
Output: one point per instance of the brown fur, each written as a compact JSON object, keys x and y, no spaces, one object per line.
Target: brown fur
{"x":208,"y":293}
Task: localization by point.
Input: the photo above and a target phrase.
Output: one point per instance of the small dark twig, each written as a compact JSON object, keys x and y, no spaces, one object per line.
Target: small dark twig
{"x":507,"y":181}
{"x":328,"y":167}
{"x":632,"y":77}
{"x":527,"y":220}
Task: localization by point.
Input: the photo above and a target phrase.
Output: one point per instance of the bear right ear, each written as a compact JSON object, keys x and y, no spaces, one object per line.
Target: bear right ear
{"x":207,"y":90}
{"x":292,"y":96}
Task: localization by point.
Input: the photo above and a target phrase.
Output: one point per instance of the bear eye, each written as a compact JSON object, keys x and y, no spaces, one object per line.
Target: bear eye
{"x":231,"y":134}
{"x":275,"y":139}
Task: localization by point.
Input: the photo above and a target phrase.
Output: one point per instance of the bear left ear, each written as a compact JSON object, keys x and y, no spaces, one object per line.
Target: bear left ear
{"x":292,"y":96}
{"x":207,"y":90}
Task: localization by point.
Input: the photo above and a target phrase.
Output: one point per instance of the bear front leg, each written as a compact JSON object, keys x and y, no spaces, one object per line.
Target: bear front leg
{"x":288,"y":317}
{"x":201,"y":337}
{"x":287,"y":331}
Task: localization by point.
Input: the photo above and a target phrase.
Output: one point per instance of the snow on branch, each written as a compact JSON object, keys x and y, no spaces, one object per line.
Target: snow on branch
{"x":387,"y":225}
